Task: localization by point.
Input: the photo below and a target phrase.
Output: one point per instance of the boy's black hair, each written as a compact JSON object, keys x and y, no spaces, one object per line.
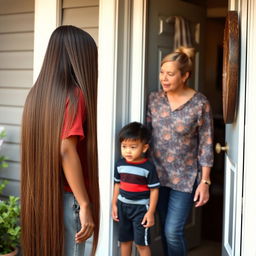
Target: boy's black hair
{"x":134,"y":131}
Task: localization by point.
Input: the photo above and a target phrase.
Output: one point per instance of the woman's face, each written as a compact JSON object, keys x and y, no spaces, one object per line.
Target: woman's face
{"x":170,"y":77}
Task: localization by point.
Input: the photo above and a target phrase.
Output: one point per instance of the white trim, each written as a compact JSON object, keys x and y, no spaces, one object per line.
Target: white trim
{"x":236,"y":137}
{"x":124,"y":62}
{"x":106,"y":118}
{"x":230,"y":169}
{"x":120,"y":94}
{"x":47,"y":18}
{"x":249,"y":209}
{"x":241,"y":7}
{"x":138,"y":60}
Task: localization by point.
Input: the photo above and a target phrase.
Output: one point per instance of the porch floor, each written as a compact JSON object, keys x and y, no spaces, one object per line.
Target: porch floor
{"x":209,"y":248}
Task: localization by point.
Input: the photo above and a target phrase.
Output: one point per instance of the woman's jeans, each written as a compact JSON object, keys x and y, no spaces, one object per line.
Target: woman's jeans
{"x":72,"y":226}
{"x":174,"y":208}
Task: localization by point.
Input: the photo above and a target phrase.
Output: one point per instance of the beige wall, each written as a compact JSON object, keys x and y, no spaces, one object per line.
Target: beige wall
{"x":16,"y":67}
{"x":83,"y":14}
{"x":16,"y":70}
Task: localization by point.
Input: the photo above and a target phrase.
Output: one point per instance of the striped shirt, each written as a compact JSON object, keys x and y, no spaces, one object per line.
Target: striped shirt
{"x":136,"y":180}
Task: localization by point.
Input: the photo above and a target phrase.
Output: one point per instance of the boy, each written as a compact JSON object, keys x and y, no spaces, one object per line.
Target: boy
{"x":135,"y":191}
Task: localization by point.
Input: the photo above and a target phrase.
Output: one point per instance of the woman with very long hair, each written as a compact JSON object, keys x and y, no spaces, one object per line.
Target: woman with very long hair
{"x":59,"y":181}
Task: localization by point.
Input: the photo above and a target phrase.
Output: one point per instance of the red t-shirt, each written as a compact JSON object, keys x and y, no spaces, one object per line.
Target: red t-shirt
{"x":76,"y":129}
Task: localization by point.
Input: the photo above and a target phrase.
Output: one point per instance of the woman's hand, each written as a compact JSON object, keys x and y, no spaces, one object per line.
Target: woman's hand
{"x":202,"y":194}
{"x":87,"y":224}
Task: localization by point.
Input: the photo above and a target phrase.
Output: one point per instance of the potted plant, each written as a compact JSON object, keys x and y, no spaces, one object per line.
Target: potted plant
{"x":9,"y":216}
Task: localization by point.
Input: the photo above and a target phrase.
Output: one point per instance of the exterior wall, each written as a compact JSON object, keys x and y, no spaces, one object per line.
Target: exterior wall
{"x":16,"y":72}
{"x":83,"y":14}
{"x":16,"y":67}
{"x":18,"y":42}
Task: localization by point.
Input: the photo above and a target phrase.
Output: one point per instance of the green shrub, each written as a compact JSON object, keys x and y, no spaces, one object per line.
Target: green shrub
{"x":9,"y":227}
{"x":9,"y":213}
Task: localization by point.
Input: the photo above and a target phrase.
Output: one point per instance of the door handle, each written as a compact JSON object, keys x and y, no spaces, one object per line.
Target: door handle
{"x":219,"y":148}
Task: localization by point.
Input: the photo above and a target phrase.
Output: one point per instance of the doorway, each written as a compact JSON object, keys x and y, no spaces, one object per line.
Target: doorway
{"x":207,"y":24}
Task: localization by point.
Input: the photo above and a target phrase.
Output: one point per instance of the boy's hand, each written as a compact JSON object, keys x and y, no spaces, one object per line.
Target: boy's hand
{"x":148,"y":220}
{"x":115,"y":213}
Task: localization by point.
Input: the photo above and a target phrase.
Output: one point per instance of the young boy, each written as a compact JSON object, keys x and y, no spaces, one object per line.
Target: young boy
{"x":135,"y":191}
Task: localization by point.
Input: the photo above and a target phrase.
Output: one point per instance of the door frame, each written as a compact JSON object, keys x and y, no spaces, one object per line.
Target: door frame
{"x":134,"y":85}
{"x":120,"y":94}
{"x":249,"y":189}
{"x":236,"y":148}
{"x":43,"y":29}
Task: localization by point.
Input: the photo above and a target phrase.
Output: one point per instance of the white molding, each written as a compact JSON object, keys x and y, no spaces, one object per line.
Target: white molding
{"x":235,"y":136}
{"x":120,"y":93}
{"x":106,"y":118}
{"x":229,"y":238}
{"x":241,"y":7}
{"x":47,"y":18}
{"x":249,"y":206}
{"x":232,"y":5}
{"x":138,"y":60}
{"x":124,"y":62}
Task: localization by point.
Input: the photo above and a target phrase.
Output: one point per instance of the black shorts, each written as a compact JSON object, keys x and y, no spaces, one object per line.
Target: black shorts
{"x":129,"y":226}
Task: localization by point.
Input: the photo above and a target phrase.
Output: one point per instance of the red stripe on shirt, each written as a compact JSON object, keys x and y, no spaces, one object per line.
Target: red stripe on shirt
{"x":133,"y":187}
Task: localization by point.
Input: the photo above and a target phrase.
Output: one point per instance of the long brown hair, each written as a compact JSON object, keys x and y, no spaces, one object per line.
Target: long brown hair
{"x":70,"y":61}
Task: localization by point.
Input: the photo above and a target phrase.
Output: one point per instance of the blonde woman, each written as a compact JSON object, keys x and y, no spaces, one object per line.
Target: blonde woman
{"x":181,"y":123}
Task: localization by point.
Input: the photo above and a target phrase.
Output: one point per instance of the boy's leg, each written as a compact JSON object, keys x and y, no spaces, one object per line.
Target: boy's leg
{"x":143,"y":250}
{"x":126,"y":248}
{"x":141,"y":234}
{"x":125,"y":229}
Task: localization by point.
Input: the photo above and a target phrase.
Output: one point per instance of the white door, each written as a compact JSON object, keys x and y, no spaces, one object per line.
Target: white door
{"x":160,"y":39}
{"x":234,"y":155}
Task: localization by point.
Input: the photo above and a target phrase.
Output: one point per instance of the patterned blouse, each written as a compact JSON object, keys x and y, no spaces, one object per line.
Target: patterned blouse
{"x":181,"y":139}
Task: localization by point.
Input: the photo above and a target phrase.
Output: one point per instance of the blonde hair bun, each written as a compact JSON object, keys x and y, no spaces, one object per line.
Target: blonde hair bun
{"x":189,"y":51}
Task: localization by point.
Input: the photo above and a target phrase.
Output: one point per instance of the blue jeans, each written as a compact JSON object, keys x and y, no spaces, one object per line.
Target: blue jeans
{"x":174,"y":208}
{"x":72,"y":226}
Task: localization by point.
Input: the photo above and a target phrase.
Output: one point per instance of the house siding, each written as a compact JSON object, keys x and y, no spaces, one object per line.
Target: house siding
{"x":83,"y":14}
{"x":16,"y":68}
{"x":16,"y":72}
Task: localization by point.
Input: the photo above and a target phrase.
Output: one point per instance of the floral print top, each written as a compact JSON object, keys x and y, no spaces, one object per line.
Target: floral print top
{"x":181,"y":139}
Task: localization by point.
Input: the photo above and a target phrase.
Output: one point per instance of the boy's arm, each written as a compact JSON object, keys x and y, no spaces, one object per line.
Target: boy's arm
{"x":114,"y":202}
{"x":149,"y":220}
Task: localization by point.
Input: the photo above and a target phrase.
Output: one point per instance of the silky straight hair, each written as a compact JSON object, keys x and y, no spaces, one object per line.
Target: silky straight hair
{"x":71,"y":61}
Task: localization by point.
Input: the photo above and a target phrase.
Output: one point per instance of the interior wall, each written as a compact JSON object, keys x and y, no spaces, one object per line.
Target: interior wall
{"x":213,"y":63}
{"x":213,"y":211}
